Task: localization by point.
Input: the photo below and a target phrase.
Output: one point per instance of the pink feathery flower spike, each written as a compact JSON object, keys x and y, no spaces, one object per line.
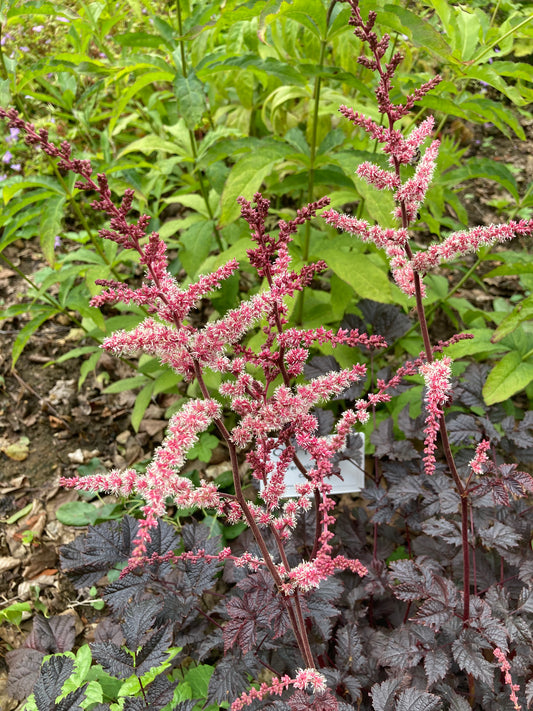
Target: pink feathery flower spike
{"x":437,"y":379}
{"x":506,"y":670}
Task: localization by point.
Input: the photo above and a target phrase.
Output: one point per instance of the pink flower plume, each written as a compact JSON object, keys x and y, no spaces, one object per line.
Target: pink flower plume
{"x":437,"y":379}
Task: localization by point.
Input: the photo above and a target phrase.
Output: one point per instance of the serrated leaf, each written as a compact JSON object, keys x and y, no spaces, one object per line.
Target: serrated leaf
{"x":468,"y":656}
{"x":198,"y":241}
{"x":90,"y":556}
{"x":348,"y":648}
{"x":401,"y":651}
{"x":153,"y":651}
{"x":159,"y":693}
{"x":54,"y":672}
{"x":462,"y":429}
{"x":384,"y":694}
{"x":138,"y":620}
{"x":436,"y":664}
{"x":508,"y":377}
{"x":114,"y":660}
{"x":228,"y":681}
{"x":434,"y":613}
{"x":357,"y":270}
{"x":386,"y":320}
{"x":54,"y":634}
{"x":72,"y":701}
{"x":521,"y":312}
{"x":24,"y":667}
{"x":441,"y":528}
{"x":190,"y":99}
{"x":247,"y":176}
{"x":487,"y":168}
{"x":415,"y":700}
{"x":499,"y":536}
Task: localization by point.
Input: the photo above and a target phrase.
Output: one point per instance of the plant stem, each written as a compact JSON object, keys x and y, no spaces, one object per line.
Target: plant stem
{"x":192,"y":137}
{"x":312,"y":157}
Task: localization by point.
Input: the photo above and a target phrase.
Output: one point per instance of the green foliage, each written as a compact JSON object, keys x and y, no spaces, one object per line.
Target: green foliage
{"x":194,"y":104}
{"x":12,"y":614}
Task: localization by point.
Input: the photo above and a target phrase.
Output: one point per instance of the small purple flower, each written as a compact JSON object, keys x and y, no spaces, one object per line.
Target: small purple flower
{"x":13,"y":135}
{"x":61,"y":19}
{"x":2,"y":177}
{"x":57,"y":242}
{"x":24,"y":49}
{"x":7,"y":157}
{"x":38,"y":28}
{"x":15,"y":166}
{"x":5,"y":37}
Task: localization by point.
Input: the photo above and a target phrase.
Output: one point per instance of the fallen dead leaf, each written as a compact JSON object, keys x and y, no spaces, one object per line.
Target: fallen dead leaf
{"x":15,"y":450}
{"x":8,"y":563}
{"x":19,"y":482}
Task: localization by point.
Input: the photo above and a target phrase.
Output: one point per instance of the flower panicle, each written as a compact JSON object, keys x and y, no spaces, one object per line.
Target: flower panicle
{"x":436,"y":374}
{"x":304,"y":679}
{"x":161,"y":479}
{"x":506,"y":671}
{"x":480,"y":458}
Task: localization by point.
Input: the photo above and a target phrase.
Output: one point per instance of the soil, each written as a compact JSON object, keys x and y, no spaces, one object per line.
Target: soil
{"x":49,"y":426}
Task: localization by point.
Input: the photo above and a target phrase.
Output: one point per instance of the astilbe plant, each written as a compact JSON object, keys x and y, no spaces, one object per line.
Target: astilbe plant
{"x":276,"y":411}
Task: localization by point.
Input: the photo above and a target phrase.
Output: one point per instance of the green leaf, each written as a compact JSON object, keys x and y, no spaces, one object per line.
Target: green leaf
{"x":144,"y":80}
{"x":126,"y":384}
{"x":14,"y":613}
{"x":5,"y":92}
{"x":309,"y":13}
{"x":190,"y":98}
{"x":198,"y":241}
{"x":467,"y":35}
{"x":88,"y":366}
{"x":147,"y":144}
{"x":14,"y":185}
{"x":138,"y":39}
{"x":83,"y":513}
{"x":481,"y":343}
{"x":357,"y":270}
{"x":198,"y":678}
{"x":483,"y":168}
{"x":508,"y":377}
{"x":262,"y":67}
{"x":203,"y":449}
{"x":489,"y":75}
{"x":508,"y":269}
{"x":27,"y":331}
{"x":420,"y":32}
{"x":521,"y":312}
{"x":51,"y":221}
{"x":248,"y":174}
{"x":141,"y":403}
{"x":482,"y":110}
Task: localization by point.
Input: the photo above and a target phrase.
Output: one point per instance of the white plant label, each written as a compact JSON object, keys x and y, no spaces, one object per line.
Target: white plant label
{"x":351,"y":471}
